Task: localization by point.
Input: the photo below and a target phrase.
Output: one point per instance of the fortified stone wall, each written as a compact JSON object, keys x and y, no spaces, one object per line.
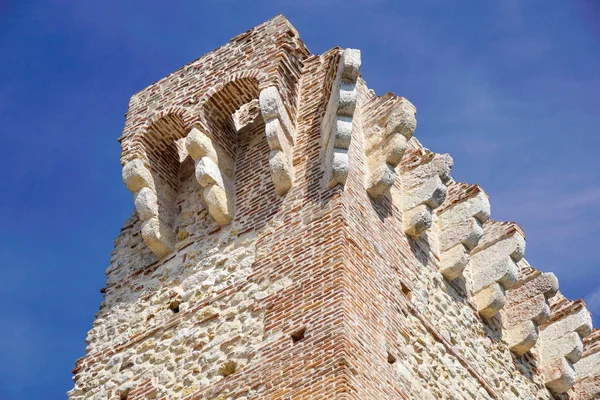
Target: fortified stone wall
{"x":292,"y":239}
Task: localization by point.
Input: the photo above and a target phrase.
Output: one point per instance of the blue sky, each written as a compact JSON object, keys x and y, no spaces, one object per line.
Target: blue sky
{"x":511,"y":89}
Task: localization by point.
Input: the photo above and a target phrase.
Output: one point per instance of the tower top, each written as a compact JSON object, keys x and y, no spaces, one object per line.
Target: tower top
{"x":293,"y":239}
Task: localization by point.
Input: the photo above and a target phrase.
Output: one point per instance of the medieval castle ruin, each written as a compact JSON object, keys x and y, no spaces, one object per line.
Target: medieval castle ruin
{"x":292,"y":239}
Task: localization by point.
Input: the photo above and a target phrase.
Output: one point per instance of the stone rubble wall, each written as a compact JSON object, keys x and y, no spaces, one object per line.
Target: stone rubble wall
{"x":292,"y":238}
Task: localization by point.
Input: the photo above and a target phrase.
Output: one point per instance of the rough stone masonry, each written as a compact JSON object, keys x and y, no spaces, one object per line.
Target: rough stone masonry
{"x":292,"y":239}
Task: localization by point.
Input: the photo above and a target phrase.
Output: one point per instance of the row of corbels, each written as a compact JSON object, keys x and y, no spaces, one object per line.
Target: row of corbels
{"x":561,"y":345}
{"x":215,"y":172}
{"x":587,"y":369}
{"x":337,"y":123}
{"x":489,"y":256}
{"x":215,"y":169}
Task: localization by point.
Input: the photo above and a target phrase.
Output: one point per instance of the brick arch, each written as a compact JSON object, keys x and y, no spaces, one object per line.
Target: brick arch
{"x":174,"y":111}
{"x":213,"y":142}
{"x":153,"y":176}
{"x":165,"y":152}
{"x":224,"y":99}
{"x":139,"y":144}
{"x":246,"y":74}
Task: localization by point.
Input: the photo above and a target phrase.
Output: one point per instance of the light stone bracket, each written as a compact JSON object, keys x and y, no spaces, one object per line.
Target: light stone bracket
{"x":387,"y":139}
{"x":336,"y":127}
{"x":587,"y":368}
{"x":423,"y":176}
{"x":461,"y":218}
{"x":492,"y":267}
{"x":526,"y":307}
{"x":215,"y":173}
{"x":157,"y":234}
{"x":280,"y":136}
{"x":561,"y":342}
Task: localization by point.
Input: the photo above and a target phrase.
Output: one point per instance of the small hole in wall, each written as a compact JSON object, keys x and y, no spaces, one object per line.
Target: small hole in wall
{"x":124,"y":395}
{"x":298,"y":335}
{"x":126,"y":365}
{"x":390,"y":358}
{"x":174,"y":306}
{"x":407,"y":292}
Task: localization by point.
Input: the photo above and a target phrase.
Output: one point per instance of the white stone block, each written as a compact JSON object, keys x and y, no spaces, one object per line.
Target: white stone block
{"x":432,"y":192}
{"x":208,"y":173}
{"x":580,"y":322}
{"x":454,"y":261}
{"x":350,"y":64}
{"x":521,"y":338}
{"x":402,"y":119}
{"x":281,"y":172}
{"x":146,"y":203}
{"x":347,"y":99}
{"x":477,"y":206}
{"x":342,"y":132}
{"x":497,"y":263}
{"x":512,"y":246}
{"x":417,"y":220}
{"x":272,"y":106}
{"x":339,"y":167}
{"x":380,"y":180}
{"x":158,"y":237}
{"x":270,"y":103}
{"x":276,"y":137}
{"x":200,"y":145}
{"x":467,"y":232}
{"x":535,"y":309}
{"x":504,"y":271}
{"x":490,"y":300}
{"x":559,"y":376}
{"x":220,"y":204}
{"x":392,"y":150}
{"x":136,"y":176}
{"x":588,"y":366}
{"x":439,"y":166}
{"x":569,"y":346}
{"x":545,"y":284}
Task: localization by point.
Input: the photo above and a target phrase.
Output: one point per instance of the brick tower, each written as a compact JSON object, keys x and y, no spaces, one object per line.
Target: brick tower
{"x":292,"y":240}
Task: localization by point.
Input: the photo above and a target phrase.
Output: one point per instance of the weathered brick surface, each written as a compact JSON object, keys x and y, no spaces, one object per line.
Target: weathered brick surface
{"x":317,"y":294}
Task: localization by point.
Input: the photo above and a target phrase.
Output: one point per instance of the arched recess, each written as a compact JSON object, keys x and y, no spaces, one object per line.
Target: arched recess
{"x":213,"y":143}
{"x":209,"y":135}
{"x":153,"y":177}
{"x":219,"y":108}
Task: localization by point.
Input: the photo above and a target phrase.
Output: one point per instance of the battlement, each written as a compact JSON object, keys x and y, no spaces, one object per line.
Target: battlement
{"x":293,"y":239}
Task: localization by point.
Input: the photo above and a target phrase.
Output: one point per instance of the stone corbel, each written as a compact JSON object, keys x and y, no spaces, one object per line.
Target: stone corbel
{"x":461,"y":217}
{"x":336,"y":127}
{"x":493,"y":265}
{"x":559,"y":376}
{"x":386,"y":145}
{"x":588,"y":369}
{"x":215,"y":173}
{"x":423,"y":177}
{"x":561,"y":342}
{"x":280,"y":136}
{"x":527,"y":307}
{"x":157,"y":234}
